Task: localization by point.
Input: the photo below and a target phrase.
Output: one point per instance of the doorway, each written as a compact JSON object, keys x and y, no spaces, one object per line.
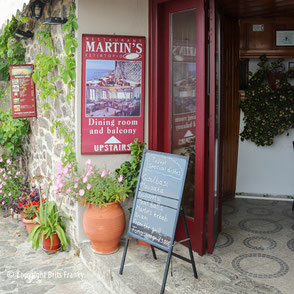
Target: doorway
{"x":177,"y":119}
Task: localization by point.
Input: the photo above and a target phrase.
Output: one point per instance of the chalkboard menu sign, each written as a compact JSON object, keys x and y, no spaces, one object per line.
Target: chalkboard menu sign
{"x":158,"y":198}
{"x":23,"y":96}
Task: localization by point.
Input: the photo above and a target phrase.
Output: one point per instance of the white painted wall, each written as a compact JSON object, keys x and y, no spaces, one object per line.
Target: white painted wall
{"x":119,"y":17}
{"x":266,"y":170}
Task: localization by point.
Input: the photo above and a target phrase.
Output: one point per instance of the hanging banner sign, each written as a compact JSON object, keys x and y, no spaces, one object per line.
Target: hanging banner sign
{"x":113,"y":69}
{"x":23,"y":94}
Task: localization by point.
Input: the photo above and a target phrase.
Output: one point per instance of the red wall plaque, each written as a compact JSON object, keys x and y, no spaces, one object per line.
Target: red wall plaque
{"x":23,"y":94}
{"x":113,"y":89}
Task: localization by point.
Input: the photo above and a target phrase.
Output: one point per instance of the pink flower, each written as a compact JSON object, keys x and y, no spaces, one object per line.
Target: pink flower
{"x":1,"y":160}
{"x":89,"y":186}
{"x":81,"y":192}
{"x":17,"y":173}
{"x":120,"y":178}
{"x":68,"y":190}
{"x":76,"y":185}
{"x":104,"y":173}
{"x":88,"y":162}
{"x":76,"y":180}
{"x":8,"y":161}
{"x":9,"y":194}
{"x":85,"y":179}
{"x":55,"y":190}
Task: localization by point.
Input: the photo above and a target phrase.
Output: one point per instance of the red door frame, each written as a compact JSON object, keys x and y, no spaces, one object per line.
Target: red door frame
{"x":211,"y":229}
{"x":196,"y":228}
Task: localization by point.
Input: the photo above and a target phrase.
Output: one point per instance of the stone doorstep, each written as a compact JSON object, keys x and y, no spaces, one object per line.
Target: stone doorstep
{"x":143,"y":274}
{"x":106,"y":267}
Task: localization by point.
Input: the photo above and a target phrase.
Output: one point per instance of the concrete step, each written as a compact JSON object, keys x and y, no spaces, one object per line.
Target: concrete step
{"x":143,"y":274}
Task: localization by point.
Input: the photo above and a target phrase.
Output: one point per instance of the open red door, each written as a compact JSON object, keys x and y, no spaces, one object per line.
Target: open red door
{"x":214,"y":159}
{"x":177,"y":99}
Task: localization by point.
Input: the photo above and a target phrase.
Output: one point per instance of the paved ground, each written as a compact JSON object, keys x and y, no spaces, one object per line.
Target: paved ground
{"x":253,"y":255}
{"x":23,"y":270}
{"x":258,"y":242}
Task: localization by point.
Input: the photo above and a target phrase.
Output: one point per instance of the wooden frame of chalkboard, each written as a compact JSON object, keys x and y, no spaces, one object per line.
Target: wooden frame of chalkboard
{"x":157,"y":205}
{"x":158,"y":198}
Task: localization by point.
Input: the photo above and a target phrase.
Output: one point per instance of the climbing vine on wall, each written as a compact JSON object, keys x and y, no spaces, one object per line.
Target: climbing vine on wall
{"x":11,"y":49}
{"x":45,"y":66}
{"x":269,"y":104}
{"x":51,"y":67}
{"x":70,"y":45}
{"x":69,"y":153}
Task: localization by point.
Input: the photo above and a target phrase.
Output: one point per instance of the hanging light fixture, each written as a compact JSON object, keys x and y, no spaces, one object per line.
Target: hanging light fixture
{"x":37,"y":9}
{"x":55,"y":20}
{"x":24,"y":35}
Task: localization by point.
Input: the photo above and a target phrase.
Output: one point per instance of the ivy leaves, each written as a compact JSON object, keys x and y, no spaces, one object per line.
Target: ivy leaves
{"x":12,"y":132}
{"x":70,"y":155}
{"x":70,"y":46}
{"x":269,"y":104}
{"x":51,"y":67}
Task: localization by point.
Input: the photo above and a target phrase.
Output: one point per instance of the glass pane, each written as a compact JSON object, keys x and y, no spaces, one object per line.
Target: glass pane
{"x":217,"y":113}
{"x":183,"y":95}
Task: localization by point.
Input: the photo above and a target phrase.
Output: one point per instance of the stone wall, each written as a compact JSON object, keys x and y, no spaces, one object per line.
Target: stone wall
{"x":43,"y":149}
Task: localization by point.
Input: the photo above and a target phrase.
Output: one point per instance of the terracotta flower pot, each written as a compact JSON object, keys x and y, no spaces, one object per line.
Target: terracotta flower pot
{"x":55,"y":245}
{"x":104,"y":226}
{"x":29,"y":223}
{"x":143,"y":243}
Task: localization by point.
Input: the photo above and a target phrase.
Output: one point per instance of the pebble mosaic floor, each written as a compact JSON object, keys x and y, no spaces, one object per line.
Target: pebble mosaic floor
{"x":257,"y":241}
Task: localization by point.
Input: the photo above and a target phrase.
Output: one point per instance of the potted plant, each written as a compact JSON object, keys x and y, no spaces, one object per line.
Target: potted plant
{"x":29,"y":214}
{"x":101,"y":192}
{"x":26,"y":196}
{"x":268,"y":104}
{"x":130,"y":169}
{"x":49,"y":228}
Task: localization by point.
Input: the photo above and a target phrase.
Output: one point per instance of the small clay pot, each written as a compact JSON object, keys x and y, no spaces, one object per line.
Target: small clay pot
{"x":55,"y":245}
{"x":29,"y":223}
{"x":143,"y":243}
